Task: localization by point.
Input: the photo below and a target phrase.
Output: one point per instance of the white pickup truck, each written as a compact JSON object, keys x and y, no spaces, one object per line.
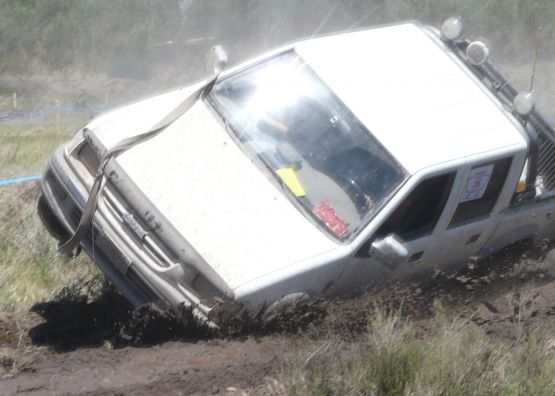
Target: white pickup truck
{"x":320,"y":167}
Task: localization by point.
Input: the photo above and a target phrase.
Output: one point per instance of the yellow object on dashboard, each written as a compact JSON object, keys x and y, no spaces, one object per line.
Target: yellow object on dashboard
{"x":291,"y":180}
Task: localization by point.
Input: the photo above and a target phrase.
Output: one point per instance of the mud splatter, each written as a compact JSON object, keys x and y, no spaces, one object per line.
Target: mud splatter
{"x":72,"y":321}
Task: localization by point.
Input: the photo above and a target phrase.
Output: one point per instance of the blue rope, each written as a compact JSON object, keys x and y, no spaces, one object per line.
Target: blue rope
{"x":19,"y":180}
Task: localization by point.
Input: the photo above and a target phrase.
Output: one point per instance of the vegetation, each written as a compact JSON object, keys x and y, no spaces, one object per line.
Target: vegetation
{"x":451,"y":358}
{"x":30,"y":268}
{"x":142,"y":38}
{"x":25,"y":148}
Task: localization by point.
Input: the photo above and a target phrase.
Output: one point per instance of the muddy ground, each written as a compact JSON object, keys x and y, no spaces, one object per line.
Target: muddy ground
{"x":103,"y":347}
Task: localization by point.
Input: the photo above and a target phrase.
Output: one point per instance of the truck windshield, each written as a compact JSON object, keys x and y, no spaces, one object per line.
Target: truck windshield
{"x":283,"y":113}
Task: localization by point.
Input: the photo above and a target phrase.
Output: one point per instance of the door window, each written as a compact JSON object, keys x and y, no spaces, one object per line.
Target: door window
{"x":482,"y":188}
{"x":418,"y":214}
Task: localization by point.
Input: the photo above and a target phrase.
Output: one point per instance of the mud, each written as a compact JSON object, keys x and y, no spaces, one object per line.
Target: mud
{"x":72,"y":322}
{"x":72,"y":345}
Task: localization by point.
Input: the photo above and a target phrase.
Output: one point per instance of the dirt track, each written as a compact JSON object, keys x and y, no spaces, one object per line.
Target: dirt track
{"x":74,"y":347}
{"x":172,"y":368}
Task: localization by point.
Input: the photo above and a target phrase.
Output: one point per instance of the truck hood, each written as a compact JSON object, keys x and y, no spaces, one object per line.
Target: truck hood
{"x":202,"y":182}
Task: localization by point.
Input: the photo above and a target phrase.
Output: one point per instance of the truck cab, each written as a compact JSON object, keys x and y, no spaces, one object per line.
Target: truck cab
{"x":480,"y":176}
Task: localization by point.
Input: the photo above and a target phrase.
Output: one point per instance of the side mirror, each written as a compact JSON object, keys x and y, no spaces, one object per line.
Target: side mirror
{"x":216,"y":60}
{"x":389,"y":250}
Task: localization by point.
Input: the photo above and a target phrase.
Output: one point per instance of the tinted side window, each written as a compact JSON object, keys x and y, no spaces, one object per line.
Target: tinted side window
{"x":419,"y":212}
{"x":482,"y":189}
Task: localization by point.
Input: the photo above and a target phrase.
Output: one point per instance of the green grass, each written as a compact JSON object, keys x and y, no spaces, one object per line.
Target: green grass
{"x":453,"y":357}
{"x":23,"y":103}
{"x":25,"y":148}
{"x":30,"y":268}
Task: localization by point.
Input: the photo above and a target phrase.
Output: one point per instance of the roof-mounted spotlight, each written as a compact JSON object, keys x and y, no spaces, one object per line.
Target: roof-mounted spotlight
{"x":477,"y":53}
{"x":524,"y":103}
{"x":451,"y":29}
{"x":216,"y":59}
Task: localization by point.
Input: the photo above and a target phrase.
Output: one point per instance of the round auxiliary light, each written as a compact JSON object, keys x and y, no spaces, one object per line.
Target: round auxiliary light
{"x":524,"y":103}
{"x":477,"y":53}
{"x":452,"y":28}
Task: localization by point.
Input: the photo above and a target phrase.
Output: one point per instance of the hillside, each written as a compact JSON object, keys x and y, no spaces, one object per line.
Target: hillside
{"x":146,"y":39}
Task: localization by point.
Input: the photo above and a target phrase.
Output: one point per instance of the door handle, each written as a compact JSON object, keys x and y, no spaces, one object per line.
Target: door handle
{"x":473,"y":239}
{"x":416,"y":256}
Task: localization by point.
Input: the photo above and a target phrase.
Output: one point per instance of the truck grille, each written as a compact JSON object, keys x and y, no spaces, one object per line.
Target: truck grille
{"x":136,"y":235}
{"x":120,"y":210}
{"x":102,"y":245}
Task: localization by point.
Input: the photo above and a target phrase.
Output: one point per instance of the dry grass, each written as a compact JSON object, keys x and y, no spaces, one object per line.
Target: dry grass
{"x":453,"y":357}
{"x":30,"y":268}
{"x":25,"y":147}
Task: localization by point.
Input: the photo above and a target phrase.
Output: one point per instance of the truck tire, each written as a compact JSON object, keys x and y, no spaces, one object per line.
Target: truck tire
{"x":288,"y":299}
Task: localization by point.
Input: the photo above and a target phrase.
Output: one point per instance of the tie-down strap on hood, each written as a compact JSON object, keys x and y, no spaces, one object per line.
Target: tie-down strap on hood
{"x":72,"y":246}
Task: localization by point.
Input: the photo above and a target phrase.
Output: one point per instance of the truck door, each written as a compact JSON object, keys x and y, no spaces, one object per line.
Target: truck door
{"x":413,"y":222}
{"x":441,"y":223}
{"x":474,"y":215}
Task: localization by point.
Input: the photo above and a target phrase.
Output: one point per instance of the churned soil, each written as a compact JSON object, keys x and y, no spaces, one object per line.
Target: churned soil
{"x":104,"y":347}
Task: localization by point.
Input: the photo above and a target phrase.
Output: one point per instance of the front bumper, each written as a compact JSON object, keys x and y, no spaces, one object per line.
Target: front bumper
{"x":108,"y":243}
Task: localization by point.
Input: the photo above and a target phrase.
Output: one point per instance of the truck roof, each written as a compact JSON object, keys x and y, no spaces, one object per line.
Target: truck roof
{"x":412,"y":94}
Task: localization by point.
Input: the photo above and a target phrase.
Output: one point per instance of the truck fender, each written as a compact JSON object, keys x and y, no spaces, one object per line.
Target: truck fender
{"x":514,"y":235}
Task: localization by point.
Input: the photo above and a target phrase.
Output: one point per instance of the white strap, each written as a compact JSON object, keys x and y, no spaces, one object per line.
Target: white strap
{"x":72,"y":247}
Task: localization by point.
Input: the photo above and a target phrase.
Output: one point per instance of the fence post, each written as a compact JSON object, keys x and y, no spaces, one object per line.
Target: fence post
{"x":14,"y":100}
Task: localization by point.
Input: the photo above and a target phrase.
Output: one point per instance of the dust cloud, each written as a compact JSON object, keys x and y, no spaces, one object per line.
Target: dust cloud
{"x":154,"y":45}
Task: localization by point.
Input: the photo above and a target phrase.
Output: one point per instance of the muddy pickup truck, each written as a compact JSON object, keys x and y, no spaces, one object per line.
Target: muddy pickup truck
{"x":321,"y":167}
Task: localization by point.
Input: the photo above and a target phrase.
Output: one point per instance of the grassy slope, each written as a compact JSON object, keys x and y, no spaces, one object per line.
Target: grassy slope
{"x":24,"y":148}
{"x":451,"y":358}
{"x":30,"y":268}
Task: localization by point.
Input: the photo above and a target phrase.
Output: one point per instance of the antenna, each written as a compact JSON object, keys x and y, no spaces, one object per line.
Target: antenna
{"x":538,"y":44}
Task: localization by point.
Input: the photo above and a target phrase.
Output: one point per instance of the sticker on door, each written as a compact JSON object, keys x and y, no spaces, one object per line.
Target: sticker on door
{"x":477,"y":182}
